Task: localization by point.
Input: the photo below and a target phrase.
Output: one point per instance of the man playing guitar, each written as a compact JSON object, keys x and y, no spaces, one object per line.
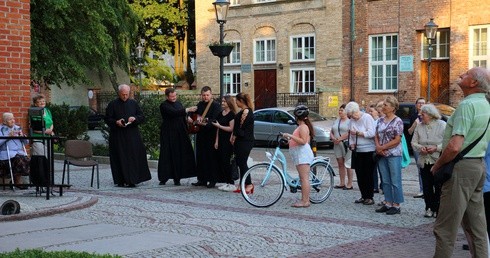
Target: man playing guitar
{"x":206,"y":158}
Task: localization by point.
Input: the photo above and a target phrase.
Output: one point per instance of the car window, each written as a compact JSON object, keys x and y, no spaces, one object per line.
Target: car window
{"x":263,"y":116}
{"x":312,"y":116}
{"x":281,"y":117}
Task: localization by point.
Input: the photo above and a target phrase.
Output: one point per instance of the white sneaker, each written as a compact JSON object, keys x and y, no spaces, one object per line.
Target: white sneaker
{"x":222,"y":187}
{"x":428,"y":213}
{"x":229,"y":188}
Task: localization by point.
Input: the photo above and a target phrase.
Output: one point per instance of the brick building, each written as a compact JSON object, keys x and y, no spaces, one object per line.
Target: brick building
{"x":354,"y":49}
{"x":389,"y":36}
{"x":15,"y":41}
{"x":292,"y":46}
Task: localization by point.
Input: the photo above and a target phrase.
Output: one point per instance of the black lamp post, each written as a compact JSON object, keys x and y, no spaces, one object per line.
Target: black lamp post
{"x":139,"y":54}
{"x":430,"y":34}
{"x":221,"y":9}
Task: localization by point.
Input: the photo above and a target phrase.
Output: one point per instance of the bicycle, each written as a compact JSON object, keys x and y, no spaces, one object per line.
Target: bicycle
{"x":270,"y":180}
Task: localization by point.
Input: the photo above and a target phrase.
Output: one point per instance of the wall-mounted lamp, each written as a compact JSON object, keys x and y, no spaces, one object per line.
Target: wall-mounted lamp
{"x":281,"y":66}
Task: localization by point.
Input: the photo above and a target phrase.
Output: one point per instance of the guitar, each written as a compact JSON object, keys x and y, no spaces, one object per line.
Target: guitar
{"x":194,"y":126}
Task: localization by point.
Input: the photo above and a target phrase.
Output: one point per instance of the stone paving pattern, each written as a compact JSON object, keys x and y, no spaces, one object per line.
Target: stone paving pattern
{"x":188,"y":221}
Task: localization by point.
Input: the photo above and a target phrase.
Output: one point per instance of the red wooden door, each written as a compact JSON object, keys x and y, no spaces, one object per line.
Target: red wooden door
{"x":265,"y":88}
{"x":439,"y":81}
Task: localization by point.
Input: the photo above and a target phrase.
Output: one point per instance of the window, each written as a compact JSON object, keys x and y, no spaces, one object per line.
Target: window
{"x":263,"y":116}
{"x":265,"y":51}
{"x":479,"y":46}
{"x":234,"y":57}
{"x":234,"y":2}
{"x":303,"y":80}
{"x":383,"y":62}
{"x":281,"y":117}
{"x":440,"y":48}
{"x":303,"y":48}
{"x":264,"y":1}
{"x":232,"y":82}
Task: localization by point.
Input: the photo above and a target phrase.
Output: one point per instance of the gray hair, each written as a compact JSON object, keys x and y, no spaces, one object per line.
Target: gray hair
{"x":7,"y":115}
{"x":482,"y":76}
{"x":123,"y":86}
{"x":431,"y":110}
{"x":351,"y":107}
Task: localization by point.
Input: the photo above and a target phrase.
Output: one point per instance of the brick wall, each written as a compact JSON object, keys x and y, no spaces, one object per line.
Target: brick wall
{"x":407,"y":19}
{"x":279,"y":20}
{"x":15,"y":43}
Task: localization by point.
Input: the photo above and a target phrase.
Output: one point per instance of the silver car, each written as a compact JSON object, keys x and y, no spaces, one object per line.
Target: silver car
{"x":270,"y":121}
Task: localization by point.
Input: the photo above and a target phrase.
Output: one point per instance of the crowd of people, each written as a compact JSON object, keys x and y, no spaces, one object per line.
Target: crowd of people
{"x":367,"y":142}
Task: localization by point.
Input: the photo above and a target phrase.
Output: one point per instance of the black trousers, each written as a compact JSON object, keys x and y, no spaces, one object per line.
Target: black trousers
{"x":364,"y":166}
{"x":242,"y":150}
{"x":431,"y":190}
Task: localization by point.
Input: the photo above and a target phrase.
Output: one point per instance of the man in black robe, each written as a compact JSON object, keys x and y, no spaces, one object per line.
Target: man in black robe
{"x":126,"y":149}
{"x":176,"y":154}
{"x":206,"y":159}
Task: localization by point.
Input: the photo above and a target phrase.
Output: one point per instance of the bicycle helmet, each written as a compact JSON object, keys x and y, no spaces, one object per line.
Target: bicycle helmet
{"x":301,"y":111}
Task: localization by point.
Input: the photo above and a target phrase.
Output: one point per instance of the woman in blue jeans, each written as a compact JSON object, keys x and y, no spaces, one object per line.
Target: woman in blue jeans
{"x":389,"y":148}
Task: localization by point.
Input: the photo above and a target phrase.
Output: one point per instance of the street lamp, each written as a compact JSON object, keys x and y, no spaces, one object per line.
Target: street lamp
{"x":140,"y":50}
{"x":430,"y":34}
{"x":221,"y":10}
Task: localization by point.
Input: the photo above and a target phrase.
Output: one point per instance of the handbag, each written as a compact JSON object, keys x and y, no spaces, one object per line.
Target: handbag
{"x":354,"y":156}
{"x":345,"y":143}
{"x":446,"y":171}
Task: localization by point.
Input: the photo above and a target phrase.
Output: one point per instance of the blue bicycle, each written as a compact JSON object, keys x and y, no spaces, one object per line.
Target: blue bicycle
{"x":270,"y":180}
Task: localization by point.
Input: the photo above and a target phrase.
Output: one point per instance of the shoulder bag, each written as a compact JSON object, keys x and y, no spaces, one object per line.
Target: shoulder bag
{"x":446,"y":171}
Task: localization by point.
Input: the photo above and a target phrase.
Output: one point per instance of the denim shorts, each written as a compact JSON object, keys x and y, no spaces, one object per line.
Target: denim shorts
{"x":301,"y":154}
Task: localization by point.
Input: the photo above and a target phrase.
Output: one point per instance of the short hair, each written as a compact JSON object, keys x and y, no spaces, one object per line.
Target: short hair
{"x":123,"y":86}
{"x":6,"y":116}
{"x":37,"y":97}
{"x":352,"y":107}
{"x":168,"y":91}
{"x":482,"y":76}
{"x":431,"y":110}
{"x":342,"y":106}
{"x":206,"y":88}
{"x":393,"y":102}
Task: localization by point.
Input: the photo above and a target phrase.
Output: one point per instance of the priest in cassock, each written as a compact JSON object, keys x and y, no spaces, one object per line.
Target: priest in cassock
{"x":126,"y":149}
{"x":176,"y":154}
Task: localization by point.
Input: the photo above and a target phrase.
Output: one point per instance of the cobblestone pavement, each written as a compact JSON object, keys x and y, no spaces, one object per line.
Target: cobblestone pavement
{"x":188,"y":221}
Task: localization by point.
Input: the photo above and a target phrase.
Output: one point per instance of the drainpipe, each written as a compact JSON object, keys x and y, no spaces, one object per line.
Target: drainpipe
{"x":352,"y":38}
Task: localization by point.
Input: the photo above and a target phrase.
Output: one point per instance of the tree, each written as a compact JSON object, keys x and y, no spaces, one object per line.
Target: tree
{"x":70,"y":38}
{"x":167,"y":27}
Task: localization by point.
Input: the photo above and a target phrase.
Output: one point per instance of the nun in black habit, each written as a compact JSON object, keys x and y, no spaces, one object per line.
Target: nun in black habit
{"x":127,"y":152}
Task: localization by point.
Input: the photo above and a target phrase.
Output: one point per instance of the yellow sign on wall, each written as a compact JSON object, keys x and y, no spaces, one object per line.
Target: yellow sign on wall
{"x":333,"y":101}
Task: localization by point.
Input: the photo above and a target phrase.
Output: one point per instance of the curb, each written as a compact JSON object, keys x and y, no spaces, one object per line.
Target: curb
{"x":52,"y":211}
{"x":105,"y":160}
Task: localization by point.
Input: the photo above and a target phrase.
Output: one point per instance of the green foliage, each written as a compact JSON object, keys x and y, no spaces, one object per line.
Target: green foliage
{"x":100,"y":150}
{"x":37,"y":253}
{"x":160,"y":22}
{"x":150,"y":129}
{"x":70,"y":122}
{"x":69,"y":38}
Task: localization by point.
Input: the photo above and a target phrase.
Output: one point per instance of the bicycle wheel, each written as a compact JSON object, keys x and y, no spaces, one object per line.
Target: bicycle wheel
{"x":321,"y":180}
{"x":268,"y":185}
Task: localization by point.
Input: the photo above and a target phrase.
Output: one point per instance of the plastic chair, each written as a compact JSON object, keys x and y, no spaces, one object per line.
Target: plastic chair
{"x":79,"y":153}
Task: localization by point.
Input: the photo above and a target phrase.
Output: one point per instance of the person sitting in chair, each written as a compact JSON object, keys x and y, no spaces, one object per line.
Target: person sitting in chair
{"x":12,"y":151}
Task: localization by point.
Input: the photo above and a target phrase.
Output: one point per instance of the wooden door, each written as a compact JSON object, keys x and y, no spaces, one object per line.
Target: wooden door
{"x":265,"y":88}
{"x":439,"y":81}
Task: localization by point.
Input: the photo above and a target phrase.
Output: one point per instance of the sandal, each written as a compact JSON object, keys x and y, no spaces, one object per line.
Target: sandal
{"x":300,"y":205}
{"x":360,"y":200}
{"x":339,"y":187}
